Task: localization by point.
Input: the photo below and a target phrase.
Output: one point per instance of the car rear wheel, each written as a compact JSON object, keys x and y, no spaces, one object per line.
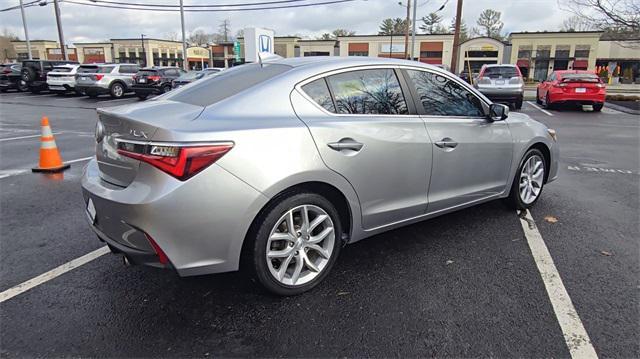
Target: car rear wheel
{"x":166,"y":88}
{"x":597,"y":107}
{"x":92,"y":94}
{"x":22,"y":86}
{"x":528,"y":181}
{"x":547,"y":102}
{"x":142,"y":97}
{"x":295,"y":244}
{"x":538,"y":100}
{"x":116,"y":90}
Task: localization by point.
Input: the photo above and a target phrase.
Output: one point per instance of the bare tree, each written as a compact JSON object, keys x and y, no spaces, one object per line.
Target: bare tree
{"x":575,"y":23}
{"x":622,"y":15}
{"x":171,"y":35}
{"x":490,"y":24}
{"x":9,"y":34}
{"x":342,"y":32}
{"x":224,"y":29}
{"x":199,"y":37}
{"x":325,"y":36}
{"x":240,"y":33}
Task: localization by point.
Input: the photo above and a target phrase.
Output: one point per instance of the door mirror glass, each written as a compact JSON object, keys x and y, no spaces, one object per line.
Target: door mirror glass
{"x":498,"y":112}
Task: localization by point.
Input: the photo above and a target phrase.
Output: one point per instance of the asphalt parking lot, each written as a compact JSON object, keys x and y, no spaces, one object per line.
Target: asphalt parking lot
{"x":461,"y":285}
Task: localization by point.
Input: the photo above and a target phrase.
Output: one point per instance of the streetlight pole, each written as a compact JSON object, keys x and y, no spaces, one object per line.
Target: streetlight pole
{"x":413,"y":30}
{"x":184,"y":41}
{"x":26,"y":32}
{"x":456,"y":38}
{"x":56,"y":7}
{"x":144,"y":54}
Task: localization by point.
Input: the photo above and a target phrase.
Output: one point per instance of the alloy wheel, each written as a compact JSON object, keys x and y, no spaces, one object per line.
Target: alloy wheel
{"x":300,"y":245}
{"x":531,"y":179}
{"x":117,"y":90}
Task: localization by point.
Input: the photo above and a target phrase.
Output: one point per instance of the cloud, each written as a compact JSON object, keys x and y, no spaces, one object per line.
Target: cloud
{"x":84,"y":23}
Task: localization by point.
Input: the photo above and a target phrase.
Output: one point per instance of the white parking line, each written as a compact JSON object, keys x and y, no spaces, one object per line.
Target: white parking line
{"x":575,"y":336}
{"x":9,"y":173}
{"x":58,"y":271}
{"x":22,"y":137}
{"x":539,"y":108}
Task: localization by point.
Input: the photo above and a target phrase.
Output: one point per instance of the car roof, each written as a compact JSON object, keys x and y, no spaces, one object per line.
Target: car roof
{"x":563,"y":72}
{"x":499,"y":65}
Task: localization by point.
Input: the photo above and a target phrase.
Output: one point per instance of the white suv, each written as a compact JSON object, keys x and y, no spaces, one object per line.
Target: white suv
{"x":62,"y":78}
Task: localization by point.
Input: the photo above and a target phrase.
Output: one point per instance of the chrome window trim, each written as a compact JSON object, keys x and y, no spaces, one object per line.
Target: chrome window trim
{"x":326,"y":74}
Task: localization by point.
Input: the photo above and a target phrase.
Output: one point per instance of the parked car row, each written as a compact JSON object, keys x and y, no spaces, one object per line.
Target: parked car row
{"x":93,"y":80}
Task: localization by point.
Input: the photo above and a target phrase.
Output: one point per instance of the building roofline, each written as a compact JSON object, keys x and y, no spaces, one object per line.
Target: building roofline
{"x":35,"y":41}
{"x":376,"y":35}
{"x":554,"y":32}
{"x":146,"y":38}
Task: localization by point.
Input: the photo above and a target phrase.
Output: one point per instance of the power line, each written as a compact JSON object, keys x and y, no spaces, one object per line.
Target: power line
{"x":195,"y":6}
{"x":206,"y":10}
{"x":29,"y":4}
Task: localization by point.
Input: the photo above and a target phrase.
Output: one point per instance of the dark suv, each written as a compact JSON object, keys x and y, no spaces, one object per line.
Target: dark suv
{"x":34,"y":73}
{"x":155,"y":80}
{"x":10,"y":78}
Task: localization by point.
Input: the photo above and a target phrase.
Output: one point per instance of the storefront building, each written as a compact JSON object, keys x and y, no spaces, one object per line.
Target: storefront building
{"x":197,"y":58}
{"x":619,"y":59}
{"x":318,"y":48}
{"x":537,"y":54}
{"x":42,"y":50}
{"x":431,"y":49}
{"x":150,"y":52}
{"x":480,"y":51}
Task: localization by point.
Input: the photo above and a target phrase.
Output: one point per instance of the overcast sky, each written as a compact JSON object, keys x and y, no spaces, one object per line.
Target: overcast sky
{"x":84,"y":23}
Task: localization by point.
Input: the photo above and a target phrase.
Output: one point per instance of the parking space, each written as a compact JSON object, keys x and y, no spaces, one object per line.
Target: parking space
{"x":463,"y":284}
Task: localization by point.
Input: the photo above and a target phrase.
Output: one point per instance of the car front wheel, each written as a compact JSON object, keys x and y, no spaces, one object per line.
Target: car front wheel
{"x":528,"y":181}
{"x":295,"y":244}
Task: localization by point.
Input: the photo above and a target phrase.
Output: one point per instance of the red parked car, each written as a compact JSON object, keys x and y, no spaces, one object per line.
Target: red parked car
{"x":574,"y":87}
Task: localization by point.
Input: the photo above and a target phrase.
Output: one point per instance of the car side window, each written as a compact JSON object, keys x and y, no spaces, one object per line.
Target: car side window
{"x":441,"y":96}
{"x":319,"y":92}
{"x":368,"y":92}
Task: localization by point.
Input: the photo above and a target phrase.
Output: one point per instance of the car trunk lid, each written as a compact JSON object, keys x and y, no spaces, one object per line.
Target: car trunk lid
{"x":147,"y":77}
{"x":581,"y":84}
{"x":139,"y":122}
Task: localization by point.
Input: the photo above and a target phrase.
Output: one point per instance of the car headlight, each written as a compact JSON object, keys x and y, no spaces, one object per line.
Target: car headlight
{"x":552,"y":134}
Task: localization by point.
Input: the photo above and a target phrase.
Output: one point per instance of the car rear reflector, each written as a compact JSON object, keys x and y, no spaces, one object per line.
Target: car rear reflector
{"x":162,"y":256}
{"x":181,"y":161}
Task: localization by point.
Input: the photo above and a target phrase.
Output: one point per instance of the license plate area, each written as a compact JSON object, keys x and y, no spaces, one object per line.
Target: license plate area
{"x":581,"y":90}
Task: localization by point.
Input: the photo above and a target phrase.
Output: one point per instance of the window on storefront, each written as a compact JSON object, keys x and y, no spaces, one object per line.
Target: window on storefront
{"x":358,"y":53}
{"x":479,"y":53}
{"x":543,"y":52}
{"x":431,"y":54}
{"x":582,"y":51}
{"x":524,"y":52}
{"x":316,"y":53}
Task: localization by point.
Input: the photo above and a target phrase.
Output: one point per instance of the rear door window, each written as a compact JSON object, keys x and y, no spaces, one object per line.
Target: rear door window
{"x":105,"y":69}
{"x":497,"y":72}
{"x":441,"y":96}
{"x":87,"y":69}
{"x":319,"y":92}
{"x":368,"y":92}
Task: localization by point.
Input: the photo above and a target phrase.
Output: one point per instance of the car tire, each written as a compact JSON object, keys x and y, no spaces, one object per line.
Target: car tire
{"x":116,"y":90}
{"x":142,"y":97}
{"x":35,"y":91}
{"x":538,"y":100}
{"x":518,"y":103}
{"x":166,"y":88}
{"x":519,"y":197}
{"x":547,"y":103}
{"x":3,"y":90}
{"x":597,"y":107}
{"x":92,"y":94}
{"x":28,"y":74}
{"x":273,"y":221}
{"x":23,"y":87}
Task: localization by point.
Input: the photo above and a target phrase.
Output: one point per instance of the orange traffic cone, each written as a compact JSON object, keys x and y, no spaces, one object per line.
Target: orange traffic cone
{"x":50,"y":160}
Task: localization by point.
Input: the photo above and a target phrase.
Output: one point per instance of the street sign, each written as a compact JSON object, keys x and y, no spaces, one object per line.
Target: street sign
{"x":257,"y":41}
{"x":236,"y":50}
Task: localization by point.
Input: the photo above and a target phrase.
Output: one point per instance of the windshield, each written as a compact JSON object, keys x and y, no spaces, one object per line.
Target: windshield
{"x":61,"y":69}
{"x":226,"y":84}
{"x":500,"y":72}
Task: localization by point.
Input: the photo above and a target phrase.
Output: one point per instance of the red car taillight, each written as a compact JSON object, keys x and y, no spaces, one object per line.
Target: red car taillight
{"x":98,"y":77}
{"x":154,"y":78}
{"x":180,"y":161}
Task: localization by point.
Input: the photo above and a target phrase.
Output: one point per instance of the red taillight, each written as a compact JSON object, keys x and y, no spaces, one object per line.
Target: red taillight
{"x":134,"y":77}
{"x":162,"y":257}
{"x":562,"y":84}
{"x":98,"y":77}
{"x":181,"y":162}
{"x":6,"y":71}
{"x":154,"y":78}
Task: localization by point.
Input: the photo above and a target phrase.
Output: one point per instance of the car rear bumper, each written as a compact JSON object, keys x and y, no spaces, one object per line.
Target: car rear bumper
{"x":200,"y":224}
{"x":98,"y":89}
{"x":502,"y":94}
{"x":586,"y":99}
{"x":139,"y":90}
{"x":56,"y":85}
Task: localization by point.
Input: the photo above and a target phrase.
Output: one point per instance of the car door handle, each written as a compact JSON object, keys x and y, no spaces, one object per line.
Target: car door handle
{"x":346,"y":144}
{"x":446,"y":143}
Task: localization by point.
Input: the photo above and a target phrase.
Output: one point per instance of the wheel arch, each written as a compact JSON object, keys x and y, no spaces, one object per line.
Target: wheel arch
{"x":546,"y":153}
{"x":124,"y":85}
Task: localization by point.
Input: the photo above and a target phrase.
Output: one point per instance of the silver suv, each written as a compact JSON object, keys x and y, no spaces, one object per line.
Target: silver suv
{"x":113,"y":79}
{"x":501,"y":83}
{"x":62,"y":78}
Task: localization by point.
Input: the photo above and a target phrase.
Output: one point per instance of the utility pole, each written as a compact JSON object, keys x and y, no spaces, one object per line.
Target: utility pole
{"x":26,"y":32}
{"x":456,"y":38}
{"x":184,"y":40}
{"x":63,"y":50}
{"x":406,"y":32}
{"x":143,"y":55}
{"x":413,"y":30}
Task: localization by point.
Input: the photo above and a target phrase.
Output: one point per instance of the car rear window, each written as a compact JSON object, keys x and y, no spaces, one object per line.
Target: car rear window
{"x":500,"y":72}
{"x":228,"y":83}
{"x":87,"y":69}
{"x":147,"y":72}
{"x":580,"y":78}
{"x":61,"y":69}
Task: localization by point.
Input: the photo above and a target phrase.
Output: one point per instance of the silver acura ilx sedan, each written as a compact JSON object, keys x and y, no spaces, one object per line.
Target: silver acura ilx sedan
{"x":276,"y":166}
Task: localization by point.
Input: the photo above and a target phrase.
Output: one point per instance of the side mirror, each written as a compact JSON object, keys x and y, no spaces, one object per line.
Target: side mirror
{"x":498,"y":112}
